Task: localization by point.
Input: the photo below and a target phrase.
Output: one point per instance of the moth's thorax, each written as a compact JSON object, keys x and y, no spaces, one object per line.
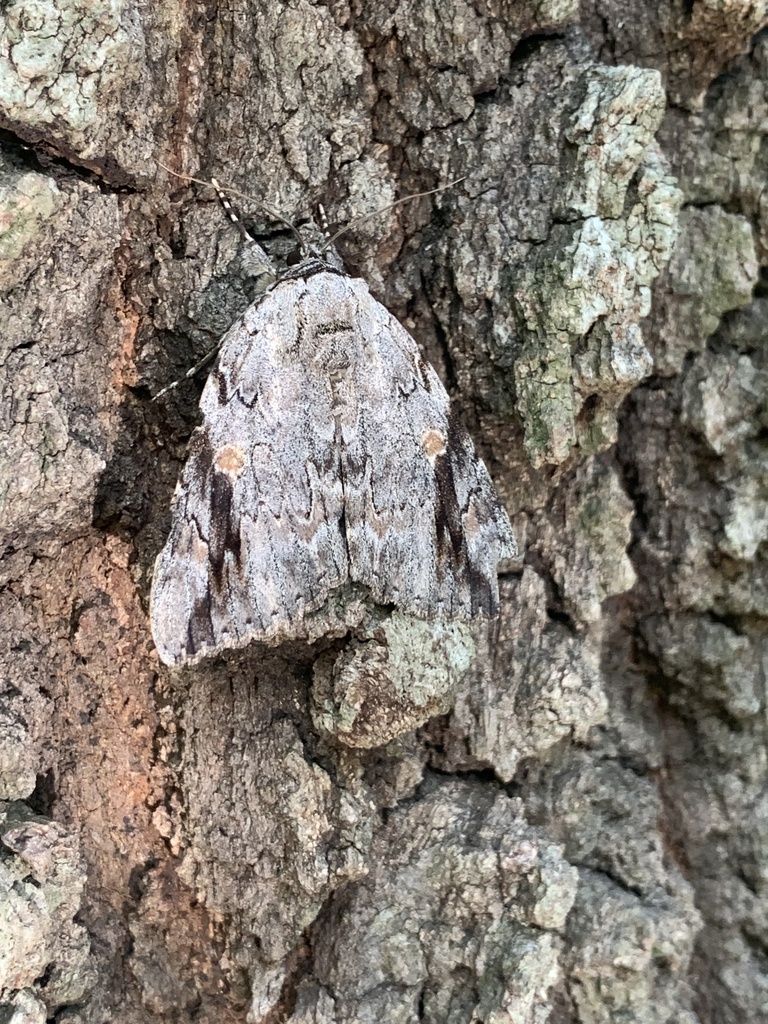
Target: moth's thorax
{"x":334,"y":351}
{"x":331,"y":338}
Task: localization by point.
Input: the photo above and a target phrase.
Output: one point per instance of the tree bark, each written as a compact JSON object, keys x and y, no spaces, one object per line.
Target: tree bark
{"x":556,"y":816}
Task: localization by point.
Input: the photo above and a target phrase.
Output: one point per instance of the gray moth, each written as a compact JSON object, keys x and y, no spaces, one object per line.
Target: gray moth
{"x":328,"y":455}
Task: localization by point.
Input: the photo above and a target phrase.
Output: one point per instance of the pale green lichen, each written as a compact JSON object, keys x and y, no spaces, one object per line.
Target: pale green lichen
{"x":58,"y":60}
{"x":397,"y":672}
{"x":713,"y":269}
{"x":41,"y":883}
{"x":26,"y":203}
{"x":604,"y":519}
{"x":612,"y":129}
{"x":464,"y":920}
{"x":580,"y":301}
{"x":723,"y":401}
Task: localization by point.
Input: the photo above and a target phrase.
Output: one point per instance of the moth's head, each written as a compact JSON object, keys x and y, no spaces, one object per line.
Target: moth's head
{"x":312,"y":250}
{"x":316,"y":243}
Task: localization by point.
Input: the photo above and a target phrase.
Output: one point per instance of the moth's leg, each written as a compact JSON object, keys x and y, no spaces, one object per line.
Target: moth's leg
{"x":190,"y":373}
{"x":329,"y":250}
{"x":323,"y":218}
{"x":229,"y":209}
{"x":255,"y":262}
{"x":254,"y":259}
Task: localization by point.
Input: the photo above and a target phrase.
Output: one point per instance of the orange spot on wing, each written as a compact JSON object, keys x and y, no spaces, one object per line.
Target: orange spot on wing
{"x":433,"y":443}
{"x":230,"y":459}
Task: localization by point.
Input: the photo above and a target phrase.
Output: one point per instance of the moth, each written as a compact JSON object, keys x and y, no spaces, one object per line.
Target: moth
{"x":328,"y":455}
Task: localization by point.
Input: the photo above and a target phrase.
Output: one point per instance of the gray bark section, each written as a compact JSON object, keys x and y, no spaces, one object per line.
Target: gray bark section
{"x":579,"y":831}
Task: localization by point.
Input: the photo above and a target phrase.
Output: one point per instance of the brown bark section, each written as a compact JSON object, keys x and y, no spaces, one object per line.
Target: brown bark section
{"x":579,"y":833}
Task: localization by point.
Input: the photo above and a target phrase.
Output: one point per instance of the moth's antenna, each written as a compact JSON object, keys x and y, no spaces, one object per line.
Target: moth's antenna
{"x":385,"y":209}
{"x":220,"y":192}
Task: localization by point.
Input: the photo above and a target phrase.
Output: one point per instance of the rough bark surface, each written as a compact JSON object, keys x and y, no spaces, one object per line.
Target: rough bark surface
{"x":557,"y":816}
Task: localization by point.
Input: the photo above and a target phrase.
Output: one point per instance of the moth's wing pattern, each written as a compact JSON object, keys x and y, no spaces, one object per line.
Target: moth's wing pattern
{"x":257,"y":532}
{"x":425,"y":528}
{"x":327,"y":453}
